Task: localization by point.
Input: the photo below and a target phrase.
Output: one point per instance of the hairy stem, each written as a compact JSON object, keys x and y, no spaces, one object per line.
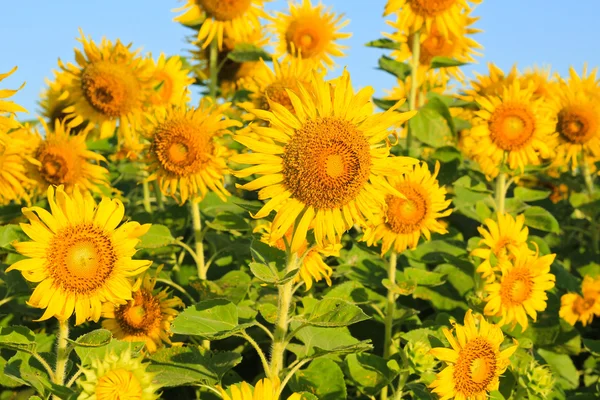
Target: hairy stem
{"x":389,"y":315}
{"x":587,"y":176}
{"x":500,"y":192}
{"x":198,"y":238}
{"x":158,"y":195}
{"x":414,"y":84}
{"x":213,"y":69}
{"x":62,"y":353}
{"x":261,"y":354}
{"x":147,"y":205}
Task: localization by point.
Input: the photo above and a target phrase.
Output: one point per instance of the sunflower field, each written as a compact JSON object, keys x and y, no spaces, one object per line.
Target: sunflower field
{"x":291,"y":236}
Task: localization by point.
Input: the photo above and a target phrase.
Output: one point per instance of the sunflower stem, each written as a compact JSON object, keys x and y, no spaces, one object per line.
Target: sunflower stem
{"x":587,"y":175}
{"x":261,"y":354}
{"x":390,"y":308}
{"x":198,"y":238}
{"x":403,"y":376}
{"x":414,"y":84}
{"x":62,"y":352}
{"x":500,"y":192}
{"x":213,"y":69}
{"x":282,"y":324}
{"x":147,"y":205}
{"x":159,"y":197}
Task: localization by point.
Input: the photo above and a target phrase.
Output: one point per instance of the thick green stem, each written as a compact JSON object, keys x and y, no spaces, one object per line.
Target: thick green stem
{"x":62,"y":353}
{"x":158,"y":195}
{"x":147,"y":205}
{"x":414,"y":84}
{"x":403,"y":376}
{"x":500,"y":192}
{"x":213,"y":69}
{"x":388,"y":347}
{"x":282,"y":323}
{"x":587,"y":176}
{"x":198,"y":237}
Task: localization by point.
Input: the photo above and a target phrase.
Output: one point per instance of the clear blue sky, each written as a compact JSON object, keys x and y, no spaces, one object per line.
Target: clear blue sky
{"x":34,"y":34}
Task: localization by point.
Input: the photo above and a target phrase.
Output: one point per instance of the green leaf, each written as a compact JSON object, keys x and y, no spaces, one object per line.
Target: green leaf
{"x":528,"y":195}
{"x":562,"y":368}
{"x":265,"y":254}
{"x":320,"y":341}
{"x":402,"y":288}
{"x":87,"y":354}
{"x":437,"y":104}
{"x":592,"y":345}
{"x":447,"y":154}
{"x":263,"y":272}
{"x":335,"y":313}
{"x":244,"y":52}
{"x":17,"y":338}
{"x":370,"y":373}
{"x":385,"y":104}
{"x":228,"y":221}
{"x":157,"y":236}
{"x":323,"y":377}
{"x":445,"y":62}
{"x":396,"y":68}
{"x":96,"y":338}
{"x":384,"y":43}
{"x":423,"y":277}
{"x":180,"y":366}
{"x":430,"y":127}
{"x":10,"y":233}
{"x":268,"y":311}
{"x":539,"y":218}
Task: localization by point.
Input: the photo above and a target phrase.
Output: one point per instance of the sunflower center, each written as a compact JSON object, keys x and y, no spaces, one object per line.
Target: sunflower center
{"x":577,"y":124}
{"x":475,"y":368}
{"x":516,"y":287}
{"x":406,"y":215}
{"x":327,"y":163}
{"x":225,"y":10}
{"x":309,"y":35}
{"x":512,"y":126}
{"x":81,"y":258}
{"x":141,"y":315}
{"x":164,"y":89}
{"x":435,"y":45}
{"x":501,"y":249}
{"x":181,"y":146}
{"x":111,"y":89}
{"x":118,"y":384}
{"x":58,"y":164}
{"x":430,"y":8}
{"x":583,"y":305}
{"x":277,"y":93}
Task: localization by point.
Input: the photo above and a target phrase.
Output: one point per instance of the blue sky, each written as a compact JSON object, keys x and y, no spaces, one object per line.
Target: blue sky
{"x":529,"y":32}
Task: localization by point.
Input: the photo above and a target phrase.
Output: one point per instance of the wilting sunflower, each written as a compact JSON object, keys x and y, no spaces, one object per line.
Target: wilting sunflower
{"x":521,"y":290}
{"x":222,"y":18}
{"x":405,"y":219}
{"x":309,"y":32}
{"x":513,"y":127}
{"x":64,"y":159}
{"x":80,"y":256}
{"x":416,"y":14}
{"x":7,"y":106}
{"x":500,"y":243}
{"x":265,"y":389}
{"x":110,"y":84}
{"x":323,"y":166}
{"x":185,"y":157}
{"x":574,"y":307}
{"x":14,"y":182}
{"x":475,"y":361}
{"x":121,"y":376}
{"x":146,"y":318}
{"x":575,"y":103}
{"x":170,"y":81}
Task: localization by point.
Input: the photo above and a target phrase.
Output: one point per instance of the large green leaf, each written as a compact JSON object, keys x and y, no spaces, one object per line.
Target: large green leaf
{"x":445,"y":62}
{"x":334,"y":313}
{"x":562,"y":368}
{"x":10,"y":233}
{"x":370,"y":373}
{"x":539,"y":218}
{"x":244,"y":52}
{"x":17,"y":338}
{"x":384,"y":43}
{"x":323,"y":377}
{"x":95,"y":338}
{"x":430,"y":127}
{"x":90,"y":347}
{"x":157,"y":236}
{"x":528,"y":195}
{"x":399,"y":69}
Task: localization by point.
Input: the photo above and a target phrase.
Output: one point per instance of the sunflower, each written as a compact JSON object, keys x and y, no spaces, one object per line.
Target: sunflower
{"x":55,"y":99}
{"x":265,"y":389}
{"x":14,"y":182}
{"x":492,"y":84}
{"x":475,"y":361}
{"x":521,"y":290}
{"x":185,"y":157}
{"x":542,"y":81}
{"x":513,"y":127}
{"x":575,"y":308}
{"x":64,"y":159}
{"x":309,"y":32}
{"x":117,"y":377}
{"x":78,"y":255}
{"x":460,"y":47}
{"x":415,"y":213}
{"x":501,"y":242}
{"x":146,"y":318}
{"x":575,"y":103}
{"x":416,"y":14}
{"x":323,"y":165}
{"x":170,"y":81}
{"x":109,"y":84}
{"x":429,"y":81}
{"x":7,"y":106}
{"x":222,"y":18}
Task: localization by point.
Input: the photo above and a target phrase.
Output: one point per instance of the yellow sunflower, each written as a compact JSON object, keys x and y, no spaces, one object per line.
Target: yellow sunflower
{"x":405,"y":219}
{"x":170,"y":81}
{"x":146,"y":318}
{"x":542,"y":81}
{"x":117,"y":377}
{"x":500,"y":243}
{"x":64,"y":159}
{"x":575,"y":103}
{"x":9,"y":107}
{"x":14,"y":164}
{"x":416,"y":14}
{"x":185,"y":156}
{"x":265,"y":389}
{"x":474,"y":363}
{"x":323,"y":166}
{"x":492,"y":84}
{"x":222,"y":18}
{"x":521,"y":290}
{"x":429,"y":81}
{"x":78,"y":255}
{"x":513,"y":128}
{"x":309,"y":32}
{"x":574,"y":307}
{"x":109,"y":84}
